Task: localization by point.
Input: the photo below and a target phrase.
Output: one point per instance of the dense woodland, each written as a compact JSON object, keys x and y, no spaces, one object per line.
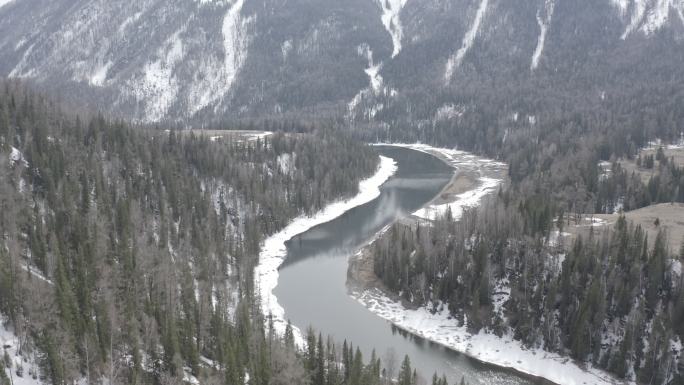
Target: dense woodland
{"x":612,"y":298}
{"x":623,"y":189}
{"x":127,"y":252}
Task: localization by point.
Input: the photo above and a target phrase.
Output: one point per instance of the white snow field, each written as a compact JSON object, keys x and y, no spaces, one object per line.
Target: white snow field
{"x":273,"y":251}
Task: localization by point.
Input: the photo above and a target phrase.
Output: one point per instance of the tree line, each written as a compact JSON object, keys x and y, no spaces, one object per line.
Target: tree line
{"x":127,"y":252}
{"x":611,"y":298}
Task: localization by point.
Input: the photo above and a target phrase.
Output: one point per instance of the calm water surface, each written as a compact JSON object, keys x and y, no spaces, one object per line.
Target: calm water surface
{"x":312,"y":284}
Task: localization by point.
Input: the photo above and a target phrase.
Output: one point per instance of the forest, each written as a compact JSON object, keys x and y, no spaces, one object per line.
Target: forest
{"x":612,"y":298}
{"x":127,"y":252}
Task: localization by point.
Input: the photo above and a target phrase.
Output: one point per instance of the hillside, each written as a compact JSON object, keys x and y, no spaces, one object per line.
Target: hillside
{"x":127,"y":254}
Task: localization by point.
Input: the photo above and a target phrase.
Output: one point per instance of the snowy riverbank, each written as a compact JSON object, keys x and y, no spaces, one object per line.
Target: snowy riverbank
{"x":503,"y":351}
{"x":440,"y":328}
{"x":273,"y":251}
{"x":460,"y":161}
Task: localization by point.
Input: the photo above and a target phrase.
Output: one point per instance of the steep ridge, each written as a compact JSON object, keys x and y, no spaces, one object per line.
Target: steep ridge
{"x":210,"y":60}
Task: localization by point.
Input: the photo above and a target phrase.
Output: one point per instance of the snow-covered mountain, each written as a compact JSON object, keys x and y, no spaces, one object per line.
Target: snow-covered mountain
{"x":154,"y":60}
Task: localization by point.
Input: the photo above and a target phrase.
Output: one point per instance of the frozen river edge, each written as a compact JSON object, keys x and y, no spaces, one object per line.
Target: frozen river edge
{"x":440,"y":328}
{"x":274,"y":251}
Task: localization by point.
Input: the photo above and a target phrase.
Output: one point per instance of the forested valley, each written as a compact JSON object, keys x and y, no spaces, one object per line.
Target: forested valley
{"x":612,"y":297}
{"x":127,"y":252}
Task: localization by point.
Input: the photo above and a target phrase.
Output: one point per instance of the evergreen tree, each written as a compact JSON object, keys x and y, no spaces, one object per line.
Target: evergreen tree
{"x":405,"y":372}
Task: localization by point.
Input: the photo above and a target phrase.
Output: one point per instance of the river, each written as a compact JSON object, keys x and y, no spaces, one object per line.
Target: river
{"x":312,"y":283}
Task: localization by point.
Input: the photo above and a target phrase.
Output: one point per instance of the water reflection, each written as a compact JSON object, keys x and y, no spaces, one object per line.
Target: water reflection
{"x":312,"y":284}
{"x":343,"y":236}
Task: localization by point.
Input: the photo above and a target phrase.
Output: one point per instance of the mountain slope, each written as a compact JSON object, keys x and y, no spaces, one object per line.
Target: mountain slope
{"x":205,"y":60}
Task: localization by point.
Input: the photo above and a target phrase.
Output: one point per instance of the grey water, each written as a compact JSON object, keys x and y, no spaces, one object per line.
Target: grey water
{"x":312,"y":284}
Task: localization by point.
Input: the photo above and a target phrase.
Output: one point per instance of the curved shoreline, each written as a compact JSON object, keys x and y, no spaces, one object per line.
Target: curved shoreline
{"x":475,"y":179}
{"x":440,"y":328}
{"x":274,"y":250}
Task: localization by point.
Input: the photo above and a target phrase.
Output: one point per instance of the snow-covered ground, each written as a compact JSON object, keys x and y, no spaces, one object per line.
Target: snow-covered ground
{"x":217,"y":78}
{"x":468,"y":40}
{"x":273,"y":251}
{"x":503,"y":351}
{"x":544,"y":20}
{"x":16,"y":156}
{"x":655,"y":144}
{"x":99,"y":75}
{"x":9,"y":343}
{"x":458,"y":160}
{"x":4,"y":2}
{"x":468,"y":199}
{"x":647,"y":16}
{"x":391,"y":10}
{"x":365,"y":99}
{"x":158,"y":83}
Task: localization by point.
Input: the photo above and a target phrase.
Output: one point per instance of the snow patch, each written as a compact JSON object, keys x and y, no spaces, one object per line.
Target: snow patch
{"x":606,"y":170}
{"x":158,"y":87}
{"x":455,"y":60}
{"x":36,"y":273}
{"x":659,"y":14}
{"x":373,"y":70}
{"x":470,"y":198}
{"x":655,"y":144}
{"x":286,"y":163}
{"x":17,"y":156}
{"x":273,"y":251}
{"x":99,"y":75}
{"x":214,"y":79}
{"x":376,"y":87}
{"x":544,"y":20}
{"x":10,"y":343}
{"x":638,"y":11}
{"x":456,"y":159}
{"x":19,"y":70}
{"x":437,"y":325}
{"x":188,"y":377}
{"x":126,"y":23}
{"x":676,"y":268}
{"x":449,"y":112}
{"x":286,"y":48}
{"x":555,"y":237}
{"x":391,"y":10}
{"x":647,"y":16}
{"x":5,"y":2}
{"x":621,"y":5}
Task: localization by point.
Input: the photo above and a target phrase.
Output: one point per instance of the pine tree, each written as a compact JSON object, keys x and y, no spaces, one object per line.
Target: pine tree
{"x":4,"y":380}
{"x":52,"y":364}
{"x":310,"y":357}
{"x":289,"y":336}
{"x":405,"y":372}
{"x":346,"y":361}
{"x":319,"y":378}
{"x":356,"y":372}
